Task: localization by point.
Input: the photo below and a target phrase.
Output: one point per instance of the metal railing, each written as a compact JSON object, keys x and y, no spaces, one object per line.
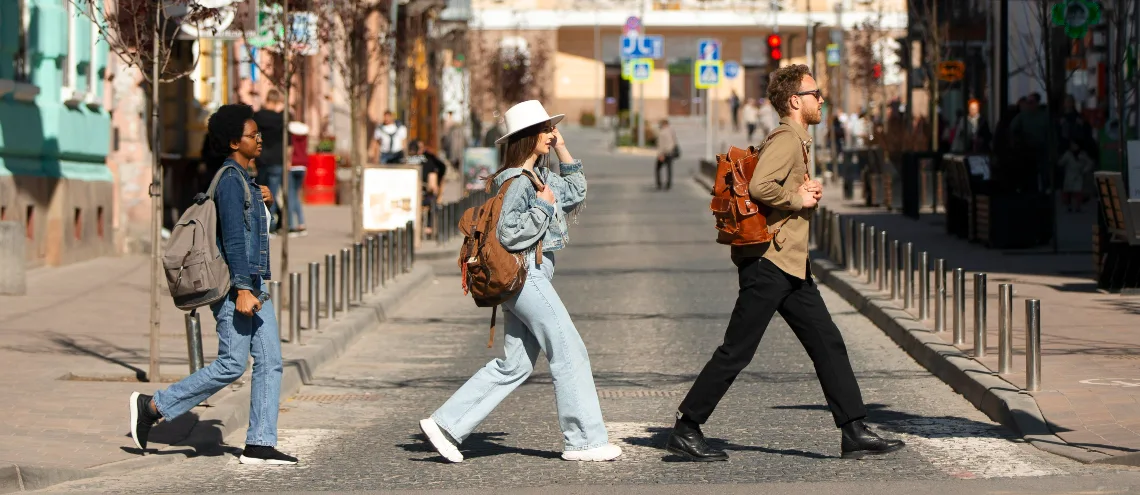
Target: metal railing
{"x":847,"y":242}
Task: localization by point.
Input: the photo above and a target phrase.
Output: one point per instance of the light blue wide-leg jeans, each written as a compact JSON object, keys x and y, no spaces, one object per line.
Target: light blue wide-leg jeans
{"x":238,"y":337}
{"x":535,"y":320}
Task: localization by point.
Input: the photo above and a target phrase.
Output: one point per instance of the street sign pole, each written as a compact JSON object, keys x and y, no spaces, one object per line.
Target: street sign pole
{"x":641,"y":91}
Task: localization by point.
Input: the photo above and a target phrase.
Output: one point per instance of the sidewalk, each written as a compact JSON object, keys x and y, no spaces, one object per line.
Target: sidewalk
{"x":1090,"y":381}
{"x":76,"y":344}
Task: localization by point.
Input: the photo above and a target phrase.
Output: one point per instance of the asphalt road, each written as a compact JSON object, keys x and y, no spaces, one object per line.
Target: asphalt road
{"x":650,"y":293}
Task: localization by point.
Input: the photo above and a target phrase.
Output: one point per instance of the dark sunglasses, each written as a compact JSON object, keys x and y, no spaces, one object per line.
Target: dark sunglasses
{"x":815,"y":92}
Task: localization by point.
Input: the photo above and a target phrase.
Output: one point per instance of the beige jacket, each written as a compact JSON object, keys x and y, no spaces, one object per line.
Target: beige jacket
{"x":778,"y":176}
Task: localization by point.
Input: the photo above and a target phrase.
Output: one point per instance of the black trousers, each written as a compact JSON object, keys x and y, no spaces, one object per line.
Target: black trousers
{"x":667,"y":164}
{"x":765,"y":290}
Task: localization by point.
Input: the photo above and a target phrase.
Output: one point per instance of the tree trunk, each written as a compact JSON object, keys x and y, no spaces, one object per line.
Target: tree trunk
{"x":359,"y":156}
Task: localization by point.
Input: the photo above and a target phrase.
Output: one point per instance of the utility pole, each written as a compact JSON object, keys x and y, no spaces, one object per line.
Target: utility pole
{"x":641,"y":89}
{"x":393,"y":28}
{"x":599,"y":67}
{"x":284,"y":210}
{"x":840,"y":7}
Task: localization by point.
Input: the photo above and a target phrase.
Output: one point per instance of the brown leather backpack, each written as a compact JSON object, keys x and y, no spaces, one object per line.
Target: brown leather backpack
{"x":489,"y":272}
{"x":740,"y":221}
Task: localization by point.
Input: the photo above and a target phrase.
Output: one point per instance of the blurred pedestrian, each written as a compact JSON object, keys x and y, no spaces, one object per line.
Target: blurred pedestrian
{"x":298,"y":166}
{"x":667,"y":150}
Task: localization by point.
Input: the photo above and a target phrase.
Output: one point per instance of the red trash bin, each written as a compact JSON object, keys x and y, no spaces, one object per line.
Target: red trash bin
{"x":320,"y":180}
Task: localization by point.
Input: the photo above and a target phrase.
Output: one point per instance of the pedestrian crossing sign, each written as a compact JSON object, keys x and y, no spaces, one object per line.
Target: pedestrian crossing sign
{"x":707,"y":73}
{"x":642,"y":68}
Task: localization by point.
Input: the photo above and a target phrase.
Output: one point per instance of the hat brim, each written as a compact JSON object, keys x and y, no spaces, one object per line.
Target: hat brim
{"x":554,"y":120}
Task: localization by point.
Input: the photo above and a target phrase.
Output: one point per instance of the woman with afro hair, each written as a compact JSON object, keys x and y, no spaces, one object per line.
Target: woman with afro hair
{"x":246,"y":322}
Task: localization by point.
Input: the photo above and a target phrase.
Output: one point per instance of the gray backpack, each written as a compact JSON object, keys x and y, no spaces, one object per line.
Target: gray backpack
{"x":196,"y":271}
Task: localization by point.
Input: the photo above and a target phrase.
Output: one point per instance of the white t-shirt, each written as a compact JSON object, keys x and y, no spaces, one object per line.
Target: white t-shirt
{"x":391,"y":137}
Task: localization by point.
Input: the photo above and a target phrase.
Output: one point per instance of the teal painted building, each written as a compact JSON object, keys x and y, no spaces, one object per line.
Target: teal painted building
{"x":54,"y":131}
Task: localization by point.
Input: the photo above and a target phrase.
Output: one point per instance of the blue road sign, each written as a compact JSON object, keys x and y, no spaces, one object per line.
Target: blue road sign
{"x":643,"y":47}
{"x":708,"y":49}
{"x":731,"y":69}
{"x":642,"y":69}
{"x":707,"y":73}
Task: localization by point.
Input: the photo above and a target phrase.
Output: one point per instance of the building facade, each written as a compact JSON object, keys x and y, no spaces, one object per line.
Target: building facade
{"x":583,"y":43}
{"x":54,"y":131}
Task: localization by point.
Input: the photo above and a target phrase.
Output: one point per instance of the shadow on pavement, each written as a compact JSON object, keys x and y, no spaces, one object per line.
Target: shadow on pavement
{"x":483,"y":444}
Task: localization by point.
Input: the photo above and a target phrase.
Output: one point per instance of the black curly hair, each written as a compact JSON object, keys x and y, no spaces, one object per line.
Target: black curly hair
{"x":226,"y":125}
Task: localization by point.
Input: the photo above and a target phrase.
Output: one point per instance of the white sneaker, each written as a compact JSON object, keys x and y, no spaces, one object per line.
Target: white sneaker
{"x":439,"y":441}
{"x":606,"y":452}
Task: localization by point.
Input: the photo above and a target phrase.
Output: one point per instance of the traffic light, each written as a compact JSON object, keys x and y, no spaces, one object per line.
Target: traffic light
{"x":877,"y":71}
{"x":775,"y":49}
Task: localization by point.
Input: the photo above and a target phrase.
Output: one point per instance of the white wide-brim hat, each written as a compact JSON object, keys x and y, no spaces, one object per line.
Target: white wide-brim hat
{"x":524,"y":115}
{"x":298,"y":128}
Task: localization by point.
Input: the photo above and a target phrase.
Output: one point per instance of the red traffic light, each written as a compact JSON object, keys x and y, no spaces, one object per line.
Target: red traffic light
{"x":773,"y":40}
{"x":776,"y":55}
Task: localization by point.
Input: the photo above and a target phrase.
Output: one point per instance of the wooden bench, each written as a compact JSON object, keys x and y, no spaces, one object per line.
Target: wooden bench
{"x":1116,"y":251}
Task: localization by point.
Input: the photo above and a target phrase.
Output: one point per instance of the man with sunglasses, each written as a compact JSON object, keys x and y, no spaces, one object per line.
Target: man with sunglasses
{"x":776,"y":277}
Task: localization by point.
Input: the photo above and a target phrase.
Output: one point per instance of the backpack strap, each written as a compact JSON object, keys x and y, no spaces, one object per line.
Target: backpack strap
{"x":494,"y":313}
{"x":212,"y":190}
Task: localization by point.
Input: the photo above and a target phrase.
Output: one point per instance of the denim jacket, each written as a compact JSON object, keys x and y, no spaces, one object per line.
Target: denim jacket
{"x":525,"y":219}
{"x":242,"y":234}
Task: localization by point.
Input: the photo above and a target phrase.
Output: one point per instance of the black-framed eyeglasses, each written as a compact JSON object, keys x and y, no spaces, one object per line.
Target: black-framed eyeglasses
{"x":254,"y":136}
{"x":818,"y":93}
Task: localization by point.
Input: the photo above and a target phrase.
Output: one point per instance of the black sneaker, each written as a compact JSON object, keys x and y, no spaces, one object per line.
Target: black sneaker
{"x":258,"y":454}
{"x":141,"y":419}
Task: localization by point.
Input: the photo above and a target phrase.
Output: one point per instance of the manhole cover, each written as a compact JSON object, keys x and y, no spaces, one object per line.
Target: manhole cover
{"x":628,"y":394}
{"x":335,"y":397}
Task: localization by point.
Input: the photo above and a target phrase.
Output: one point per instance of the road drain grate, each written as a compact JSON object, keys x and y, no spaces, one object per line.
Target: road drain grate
{"x":336,"y":397}
{"x":633,"y":394}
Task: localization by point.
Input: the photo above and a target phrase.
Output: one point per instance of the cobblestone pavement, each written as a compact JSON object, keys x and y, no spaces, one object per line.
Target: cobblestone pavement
{"x":650,"y":293}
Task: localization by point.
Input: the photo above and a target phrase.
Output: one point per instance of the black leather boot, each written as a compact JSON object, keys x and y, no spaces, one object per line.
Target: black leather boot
{"x":688,"y":441}
{"x":858,"y":441}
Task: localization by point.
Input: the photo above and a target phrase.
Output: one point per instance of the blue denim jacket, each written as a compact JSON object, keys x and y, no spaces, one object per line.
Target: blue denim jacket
{"x":525,"y":219}
{"x":242,"y":233}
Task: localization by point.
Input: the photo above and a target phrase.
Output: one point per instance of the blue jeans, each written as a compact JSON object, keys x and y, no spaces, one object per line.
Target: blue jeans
{"x":296,"y":180}
{"x":272,"y":180}
{"x":535,"y":320}
{"x":238,"y":337}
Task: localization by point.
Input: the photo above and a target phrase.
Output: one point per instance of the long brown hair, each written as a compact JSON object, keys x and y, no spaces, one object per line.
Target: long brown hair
{"x":520,"y":146}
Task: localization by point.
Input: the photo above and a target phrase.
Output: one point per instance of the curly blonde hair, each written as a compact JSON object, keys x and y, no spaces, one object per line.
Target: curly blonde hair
{"x":783,"y":84}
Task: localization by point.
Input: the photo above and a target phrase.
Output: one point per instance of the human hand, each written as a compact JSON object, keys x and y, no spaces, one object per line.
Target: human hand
{"x":559,"y":142}
{"x":247,"y":304}
{"x":546,"y":194}
{"x":266,"y":196}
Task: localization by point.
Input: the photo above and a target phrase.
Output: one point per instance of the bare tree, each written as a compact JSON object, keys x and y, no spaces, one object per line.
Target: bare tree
{"x":288,"y":59}
{"x":142,"y":34}
{"x":356,"y":35}
{"x":935,"y":36}
{"x":861,"y":68}
{"x":1119,"y":14}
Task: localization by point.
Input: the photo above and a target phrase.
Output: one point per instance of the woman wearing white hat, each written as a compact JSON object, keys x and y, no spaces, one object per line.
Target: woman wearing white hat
{"x":536,"y":319}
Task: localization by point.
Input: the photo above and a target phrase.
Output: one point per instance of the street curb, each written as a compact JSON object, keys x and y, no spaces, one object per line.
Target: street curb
{"x":1002,"y":401}
{"x":232,"y":411}
{"x":635,"y":151}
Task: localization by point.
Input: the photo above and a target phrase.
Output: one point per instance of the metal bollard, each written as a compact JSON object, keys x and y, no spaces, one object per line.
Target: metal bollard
{"x":403,"y":250}
{"x":194,"y":340}
{"x":411,"y":245}
{"x":357,"y":271}
{"x":908,"y":276}
{"x":390,"y":254}
{"x":848,"y":248}
{"x":342,"y":298}
{"x":860,"y":241}
{"x":314,"y":295}
{"x":959,"y":306}
{"x":939,"y":295}
{"x":295,"y":307}
{"x":923,"y":286}
{"x":869,"y":254}
{"x":1033,"y":345}
{"x":275,"y":296}
{"x":367,"y":264}
{"x":374,"y":255}
{"x":1005,"y":328}
{"x":330,"y":286}
{"x":979,"y":315}
{"x":894,"y":271}
{"x":882,"y":261}
{"x":384,"y":271}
